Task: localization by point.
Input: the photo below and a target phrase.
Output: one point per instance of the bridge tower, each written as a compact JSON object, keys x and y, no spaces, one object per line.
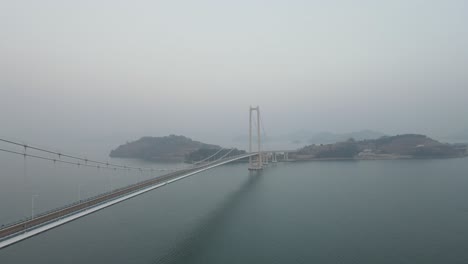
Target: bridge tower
{"x":258,"y":164}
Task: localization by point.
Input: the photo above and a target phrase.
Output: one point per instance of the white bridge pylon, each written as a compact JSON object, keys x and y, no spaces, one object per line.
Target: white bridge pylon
{"x":255,"y":163}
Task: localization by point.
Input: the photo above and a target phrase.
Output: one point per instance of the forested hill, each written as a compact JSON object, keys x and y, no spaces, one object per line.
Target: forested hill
{"x":169,"y":148}
{"x":407,"y":146}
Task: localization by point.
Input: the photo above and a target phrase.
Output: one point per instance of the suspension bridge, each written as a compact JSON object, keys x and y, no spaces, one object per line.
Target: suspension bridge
{"x":36,"y":224}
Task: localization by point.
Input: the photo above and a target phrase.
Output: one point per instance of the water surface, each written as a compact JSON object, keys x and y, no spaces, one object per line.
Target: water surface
{"x":401,"y":211}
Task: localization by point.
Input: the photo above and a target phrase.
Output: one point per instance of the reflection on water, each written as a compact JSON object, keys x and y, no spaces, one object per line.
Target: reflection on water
{"x":185,"y":250}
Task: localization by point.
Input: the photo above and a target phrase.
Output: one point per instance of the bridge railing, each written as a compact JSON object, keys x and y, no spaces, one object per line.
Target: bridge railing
{"x":56,"y":209}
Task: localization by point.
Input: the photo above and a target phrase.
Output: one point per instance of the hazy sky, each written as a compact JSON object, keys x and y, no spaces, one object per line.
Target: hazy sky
{"x":124,"y":69}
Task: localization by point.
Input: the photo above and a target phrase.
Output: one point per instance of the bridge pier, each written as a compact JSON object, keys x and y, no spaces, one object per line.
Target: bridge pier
{"x":253,"y":166}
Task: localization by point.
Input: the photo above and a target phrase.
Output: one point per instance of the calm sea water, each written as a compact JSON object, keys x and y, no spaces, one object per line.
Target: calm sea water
{"x":402,"y":211}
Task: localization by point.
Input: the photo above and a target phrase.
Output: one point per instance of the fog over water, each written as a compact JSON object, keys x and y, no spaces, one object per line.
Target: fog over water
{"x":82,"y":77}
{"x":116,"y":70}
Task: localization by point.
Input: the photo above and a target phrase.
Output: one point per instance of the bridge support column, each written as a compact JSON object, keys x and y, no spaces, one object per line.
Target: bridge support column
{"x":258,"y":165}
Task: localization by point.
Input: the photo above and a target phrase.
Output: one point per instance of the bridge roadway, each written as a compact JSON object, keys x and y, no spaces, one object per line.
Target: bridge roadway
{"x":28,"y":228}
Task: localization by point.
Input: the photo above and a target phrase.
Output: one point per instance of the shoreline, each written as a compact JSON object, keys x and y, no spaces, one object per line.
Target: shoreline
{"x":376,"y":158}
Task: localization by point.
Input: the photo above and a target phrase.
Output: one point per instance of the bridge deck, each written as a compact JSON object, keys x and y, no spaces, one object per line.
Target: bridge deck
{"x":31,"y":227}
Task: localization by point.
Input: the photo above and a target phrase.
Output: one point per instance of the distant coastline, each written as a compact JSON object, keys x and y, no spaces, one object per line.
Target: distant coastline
{"x":408,"y":146}
{"x":305,"y":159}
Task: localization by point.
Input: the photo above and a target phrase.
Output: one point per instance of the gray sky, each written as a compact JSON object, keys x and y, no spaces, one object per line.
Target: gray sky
{"x":124,"y":69}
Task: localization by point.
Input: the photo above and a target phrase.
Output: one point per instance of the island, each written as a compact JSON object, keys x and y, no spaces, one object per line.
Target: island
{"x":407,"y":146}
{"x":172,"y":148}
